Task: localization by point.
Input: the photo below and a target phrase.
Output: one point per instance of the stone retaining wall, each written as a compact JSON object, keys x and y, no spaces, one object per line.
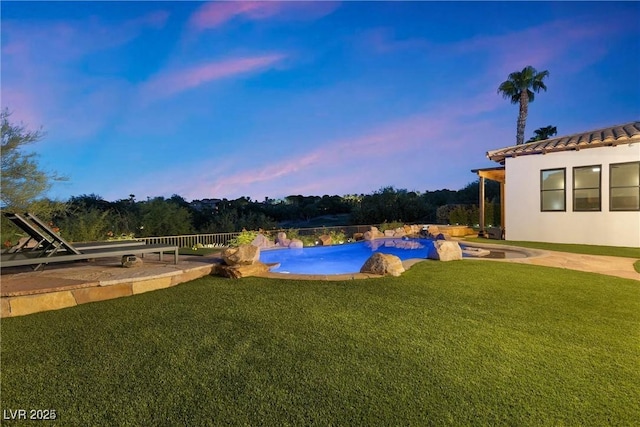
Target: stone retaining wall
{"x":33,"y":302}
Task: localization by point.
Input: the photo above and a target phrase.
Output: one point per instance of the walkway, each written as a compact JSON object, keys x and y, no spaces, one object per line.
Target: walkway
{"x":608,"y":265}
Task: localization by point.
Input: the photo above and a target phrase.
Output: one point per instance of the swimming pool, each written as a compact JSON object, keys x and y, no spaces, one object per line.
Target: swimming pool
{"x":342,"y":259}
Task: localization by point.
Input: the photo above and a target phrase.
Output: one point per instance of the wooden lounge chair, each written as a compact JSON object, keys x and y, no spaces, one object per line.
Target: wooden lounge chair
{"x":52,"y":248}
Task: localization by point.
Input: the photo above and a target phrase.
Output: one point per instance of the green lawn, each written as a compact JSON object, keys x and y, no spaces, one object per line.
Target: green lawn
{"x":564,"y":247}
{"x":458,"y":343}
{"x":200,"y":251}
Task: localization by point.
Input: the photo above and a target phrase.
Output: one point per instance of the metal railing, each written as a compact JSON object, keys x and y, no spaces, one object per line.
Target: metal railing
{"x":347,"y":229}
{"x":222,"y":239}
{"x":191,"y":240}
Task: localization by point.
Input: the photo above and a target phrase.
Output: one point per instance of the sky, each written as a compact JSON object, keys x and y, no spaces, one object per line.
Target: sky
{"x":269,"y":99}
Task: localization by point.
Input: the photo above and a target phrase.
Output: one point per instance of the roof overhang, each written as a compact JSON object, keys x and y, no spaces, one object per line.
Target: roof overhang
{"x":494,"y":174}
{"x":607,"y":137}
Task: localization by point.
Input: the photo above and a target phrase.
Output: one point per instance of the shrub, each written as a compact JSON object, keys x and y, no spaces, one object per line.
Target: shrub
{"x":123,"y":236}
{"x":244,"y":238}
{"x":389,"y":226}
{"x":338,"y":237}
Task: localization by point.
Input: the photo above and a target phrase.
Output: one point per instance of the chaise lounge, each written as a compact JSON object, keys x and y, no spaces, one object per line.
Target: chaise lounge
{"x":49,"y":247}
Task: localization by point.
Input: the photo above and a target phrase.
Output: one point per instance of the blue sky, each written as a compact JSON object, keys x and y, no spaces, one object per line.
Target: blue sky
{"x":231,"y":99}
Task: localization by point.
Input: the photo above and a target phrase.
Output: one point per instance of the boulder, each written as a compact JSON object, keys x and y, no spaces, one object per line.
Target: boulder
{"x":358,"y":236}
{"x":325,"y":240}
{"x":130,"y":261}
{"x":399,"y":232}
{"x":368,"y":235}
{"x":284,"y":243}
{"x":261,"y":241}
{"x":376,"y":232}
{"x":383,"y":264}
{"x":242,"y":255}
{"x":389,"y":233}
{"x":433,"y":231}
{"x":240,"y":271}
{"x":443,"y":250}
{"x":295,"y":243}
{"x":281,"y":239}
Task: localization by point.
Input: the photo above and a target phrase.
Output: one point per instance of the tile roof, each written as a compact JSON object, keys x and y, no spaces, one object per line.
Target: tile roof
{"x":610,"y":136}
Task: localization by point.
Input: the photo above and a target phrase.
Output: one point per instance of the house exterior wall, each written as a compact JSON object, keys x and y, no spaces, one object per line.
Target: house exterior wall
{"x":526,"y":222}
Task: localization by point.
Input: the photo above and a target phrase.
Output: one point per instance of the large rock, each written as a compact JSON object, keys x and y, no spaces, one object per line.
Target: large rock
{"x":325,"y":240}
{"x":373,"y":233}
{"x":389,"y":233}
{"x":261,"y":241}
{"x":383,"y":264}
{"x":433,"y":231}
{"x":399,"y":232}
{"x":242,"y":255}
{"x":240,"y":271}
{"x":443,"y":250}
{"x":281,"y":239}
{"x":295,"y":244}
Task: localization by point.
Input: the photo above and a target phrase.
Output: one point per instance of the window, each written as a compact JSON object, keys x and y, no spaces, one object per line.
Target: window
{"x":586,"y":188}
{"x":552,"y":190}
{"x":624,"y":186}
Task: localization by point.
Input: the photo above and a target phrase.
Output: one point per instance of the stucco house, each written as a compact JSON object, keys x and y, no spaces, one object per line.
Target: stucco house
{"x":582,"y":188}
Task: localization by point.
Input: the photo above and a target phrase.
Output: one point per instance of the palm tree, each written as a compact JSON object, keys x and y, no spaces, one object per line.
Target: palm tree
{"x":543,"y":133}
{"x":520,"y":88}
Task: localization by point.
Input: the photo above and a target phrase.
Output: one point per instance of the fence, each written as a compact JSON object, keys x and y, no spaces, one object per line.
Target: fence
{"x":188,"y":241}
{"x":222,"y":239}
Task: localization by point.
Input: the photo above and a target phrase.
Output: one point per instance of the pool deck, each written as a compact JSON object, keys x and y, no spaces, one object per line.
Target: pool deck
{"x":23,"y":291}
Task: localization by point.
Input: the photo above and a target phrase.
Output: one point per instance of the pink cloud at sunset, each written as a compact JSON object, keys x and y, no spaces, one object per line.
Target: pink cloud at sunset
{"x":214,"y":14}
{"x":175,"y":81}
{"x":415,"y":143}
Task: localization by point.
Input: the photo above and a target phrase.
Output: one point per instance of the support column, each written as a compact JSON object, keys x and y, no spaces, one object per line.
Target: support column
{"x":482,"y":232}
{"x":502,"y":210}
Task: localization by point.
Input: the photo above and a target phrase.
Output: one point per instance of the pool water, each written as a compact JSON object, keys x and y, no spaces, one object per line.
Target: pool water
{"x":342,"y":259}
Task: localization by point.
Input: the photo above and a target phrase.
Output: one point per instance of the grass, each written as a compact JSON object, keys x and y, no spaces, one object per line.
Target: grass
{"x":459,"y":343}
{"x":564,"y":247}
{"x":636,"y":266}
{"x":199,"y":251}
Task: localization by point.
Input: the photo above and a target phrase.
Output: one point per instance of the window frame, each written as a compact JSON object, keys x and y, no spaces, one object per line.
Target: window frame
{"x":611,"y":187}
{"x":564,"y":190}
{"x":599,"y":188}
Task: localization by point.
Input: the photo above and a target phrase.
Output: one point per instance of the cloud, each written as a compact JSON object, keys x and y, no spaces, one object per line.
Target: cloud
{"x":383,"y":40}
{"x":171,"y":82}
{"x":41,"y":80}
{"x":584,"y":39}
{"x":331,"y":167}
{"x":215,"y":14}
